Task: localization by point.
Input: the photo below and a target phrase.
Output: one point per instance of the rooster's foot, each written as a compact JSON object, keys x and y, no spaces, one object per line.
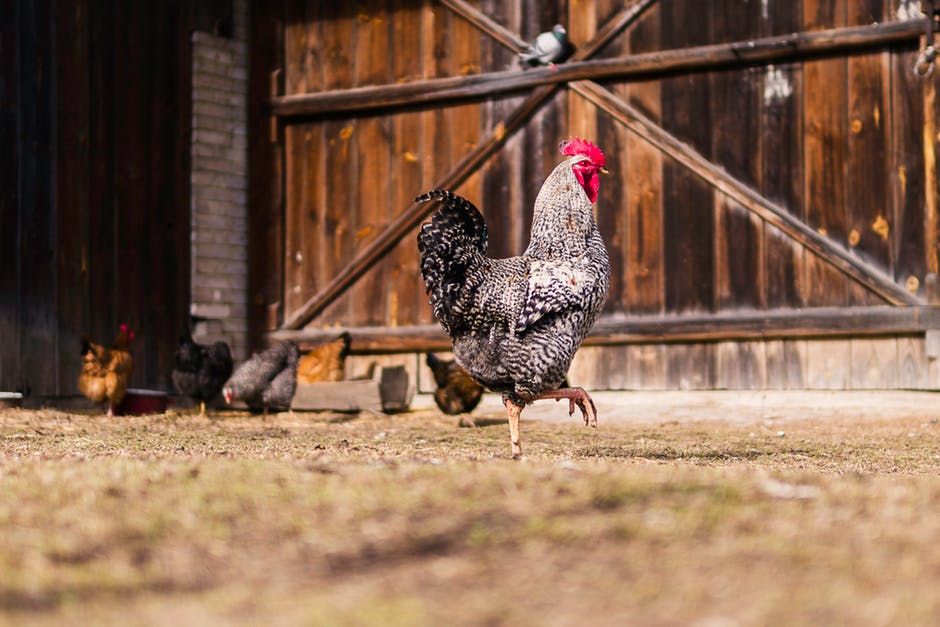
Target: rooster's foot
{"x":577,"y":397}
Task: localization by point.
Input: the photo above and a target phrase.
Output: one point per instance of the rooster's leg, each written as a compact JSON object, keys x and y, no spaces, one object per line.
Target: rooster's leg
{"x":575,"y":396}
{"x":202,"y":409}
{"x":514,"y":410}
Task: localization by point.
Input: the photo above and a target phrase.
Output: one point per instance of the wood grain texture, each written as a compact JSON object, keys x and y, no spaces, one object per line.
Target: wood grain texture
{"x":10,"y":374}
{"x":875,"y":364}
{"x":644,"y":260}
{"x":828,"y":364}
{"x":867,"y":175}
{"x":688,"y":223}
{"x":907,"y":168}
{"x":786,"y":364}
{"x":71,"y":190}
{"x":825,"y":102}
{"x":265,"y":163}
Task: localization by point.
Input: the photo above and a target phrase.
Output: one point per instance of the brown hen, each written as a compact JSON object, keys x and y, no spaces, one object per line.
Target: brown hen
{"x":326,"y":362}
{"x":105,"y":371}
{"x":457,"y":392}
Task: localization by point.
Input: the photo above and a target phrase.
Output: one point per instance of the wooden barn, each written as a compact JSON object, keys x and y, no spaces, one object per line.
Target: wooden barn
{"x":771,"y":212}
{"x":102,"y":183}
{"x":771,"y":217}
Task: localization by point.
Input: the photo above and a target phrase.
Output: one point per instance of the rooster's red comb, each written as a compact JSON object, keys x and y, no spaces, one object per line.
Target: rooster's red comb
{"x":577,"y":146}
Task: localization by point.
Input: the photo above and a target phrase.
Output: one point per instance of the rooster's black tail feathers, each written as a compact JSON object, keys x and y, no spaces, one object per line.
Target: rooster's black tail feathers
{"x":453,"y":254}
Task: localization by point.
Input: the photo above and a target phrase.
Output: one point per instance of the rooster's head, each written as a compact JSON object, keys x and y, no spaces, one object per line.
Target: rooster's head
{"x":587,"y":162}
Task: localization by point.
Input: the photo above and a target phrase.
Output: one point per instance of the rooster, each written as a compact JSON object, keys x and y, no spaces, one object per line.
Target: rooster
{"x":105,"y":371}
{"x":457,"y":392}
{"x":201,"y":369}
{"x":516,"y":323}
{"x":267,"y":380}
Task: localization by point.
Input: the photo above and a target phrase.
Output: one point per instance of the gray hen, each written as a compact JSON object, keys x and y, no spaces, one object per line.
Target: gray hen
{"x":267,"y":380}
{"x":516,"y":323}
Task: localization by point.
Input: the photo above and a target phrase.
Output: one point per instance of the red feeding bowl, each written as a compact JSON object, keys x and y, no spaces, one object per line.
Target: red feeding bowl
{"x":138,"y":402}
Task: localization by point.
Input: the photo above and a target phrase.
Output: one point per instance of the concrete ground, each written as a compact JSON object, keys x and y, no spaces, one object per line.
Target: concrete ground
{"x":730,"y":406}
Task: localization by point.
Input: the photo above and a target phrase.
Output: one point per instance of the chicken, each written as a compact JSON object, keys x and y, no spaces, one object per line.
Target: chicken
{"x":105,"y":371}
{"x":326,"y":362}
{"x":267,"y":380}
{"x":516,"y":323}
{"x":457,"y":392}
{"x":201,"y":369}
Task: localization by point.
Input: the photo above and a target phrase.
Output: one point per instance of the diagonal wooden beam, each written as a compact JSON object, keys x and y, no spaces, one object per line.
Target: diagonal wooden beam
{"x":857,"y":269}
{"x":486,"y":24}
{"x":413,"y":215}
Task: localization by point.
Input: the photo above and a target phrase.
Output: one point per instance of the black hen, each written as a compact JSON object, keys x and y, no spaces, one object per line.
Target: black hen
{"x":201,"y":370}
{"x":267,"y":380}
{"x":457,"y":392}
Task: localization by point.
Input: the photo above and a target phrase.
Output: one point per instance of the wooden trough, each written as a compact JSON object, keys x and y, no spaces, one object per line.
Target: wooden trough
{"x":388,"y":390}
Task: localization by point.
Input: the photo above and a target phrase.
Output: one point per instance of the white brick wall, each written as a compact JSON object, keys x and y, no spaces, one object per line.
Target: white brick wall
{"x":219,"y":185}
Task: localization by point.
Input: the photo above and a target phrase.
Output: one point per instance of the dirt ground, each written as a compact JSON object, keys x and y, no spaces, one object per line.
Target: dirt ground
{"x":710,"y":509}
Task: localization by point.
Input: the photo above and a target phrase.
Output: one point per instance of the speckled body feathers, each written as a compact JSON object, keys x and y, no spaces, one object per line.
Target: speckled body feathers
{"x":267,"y":380}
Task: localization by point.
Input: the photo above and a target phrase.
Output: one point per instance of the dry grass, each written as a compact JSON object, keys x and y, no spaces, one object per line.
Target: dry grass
{"x":407,"y":520}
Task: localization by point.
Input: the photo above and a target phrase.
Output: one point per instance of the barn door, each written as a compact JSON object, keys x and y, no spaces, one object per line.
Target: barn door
{"x":767,"y":157}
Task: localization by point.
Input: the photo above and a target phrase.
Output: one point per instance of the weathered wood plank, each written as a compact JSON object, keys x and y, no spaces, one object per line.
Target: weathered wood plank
{"x":825,"y":104}
{"x":35,"y":146}
{"x":644,"y":270}
{"x":9,"y":208}
{"x":71,"y":191}
{"x":740,"y":365}
{"x":101,"y":261}
{"x":866,"y":190}
{"x":688,"y":221}
{"x":405,"y":290}
{"x":685,"y":59}
{"x":739,"y":256}
{"x":299,"y":178}
{"x":785,"y":364}
{"x":371,"y":168}
{"x":907,"y":166}
{"x":828,"y":364}
{"x":915,"y":369}
{"x":690,"y":366}
{"x":265,"y":163}
{"x":781,"y":151}
{"x":163,"y":151}
{"x":646,"y":368}
{"x":874,"y":363}
{"x":736,"y":146}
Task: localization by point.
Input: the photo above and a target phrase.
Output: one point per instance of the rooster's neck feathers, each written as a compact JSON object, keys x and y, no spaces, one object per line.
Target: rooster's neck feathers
{"x":563,"y":217}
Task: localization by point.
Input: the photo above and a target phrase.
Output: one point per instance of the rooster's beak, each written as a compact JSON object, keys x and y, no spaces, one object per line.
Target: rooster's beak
{"x":603,"y":171}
